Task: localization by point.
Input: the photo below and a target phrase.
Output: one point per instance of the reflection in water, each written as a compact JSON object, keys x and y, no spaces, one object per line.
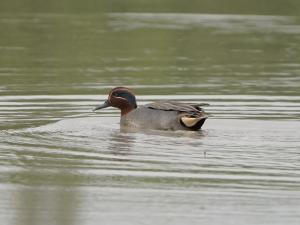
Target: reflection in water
{"x":44,"y":191}
{"x":160,"y":53}
{"x":43,"y":202}
{"x":222,"y":23}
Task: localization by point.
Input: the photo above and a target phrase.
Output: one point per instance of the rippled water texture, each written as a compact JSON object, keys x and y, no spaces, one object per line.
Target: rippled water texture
{"x":61,"y":163}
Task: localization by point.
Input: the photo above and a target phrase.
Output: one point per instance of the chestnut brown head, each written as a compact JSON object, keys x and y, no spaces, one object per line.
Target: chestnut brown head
{"x":121,"y":98}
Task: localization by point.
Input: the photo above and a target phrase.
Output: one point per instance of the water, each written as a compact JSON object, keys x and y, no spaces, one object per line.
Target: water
{"x":61,"y":163}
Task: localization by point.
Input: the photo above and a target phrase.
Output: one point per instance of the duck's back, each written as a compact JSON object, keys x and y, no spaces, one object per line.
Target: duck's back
{"x":165,"y":116}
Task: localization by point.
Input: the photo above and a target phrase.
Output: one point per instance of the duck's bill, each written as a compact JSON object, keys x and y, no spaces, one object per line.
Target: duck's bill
{"x":104,"y":105}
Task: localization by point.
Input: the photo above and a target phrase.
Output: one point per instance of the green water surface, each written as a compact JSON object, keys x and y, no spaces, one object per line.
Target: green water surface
{"x":62,"y":164}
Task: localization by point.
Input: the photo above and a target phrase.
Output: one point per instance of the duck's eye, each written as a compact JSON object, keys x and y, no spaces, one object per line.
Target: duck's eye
{"x":120,"y":94}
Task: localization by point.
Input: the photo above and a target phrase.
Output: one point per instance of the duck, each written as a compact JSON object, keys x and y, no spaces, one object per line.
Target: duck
{"x":159,"y":115}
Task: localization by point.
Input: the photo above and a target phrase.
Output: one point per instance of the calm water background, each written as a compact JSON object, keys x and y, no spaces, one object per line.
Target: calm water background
{"x":62,"y":164}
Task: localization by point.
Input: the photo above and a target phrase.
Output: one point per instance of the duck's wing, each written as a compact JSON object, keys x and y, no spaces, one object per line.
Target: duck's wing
{"x":198,"y":105}
{"x":176,"y":106}
{"x":190,"y":115}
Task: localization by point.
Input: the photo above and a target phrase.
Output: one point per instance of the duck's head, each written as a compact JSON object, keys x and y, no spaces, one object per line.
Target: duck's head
{"x":121,"y":98}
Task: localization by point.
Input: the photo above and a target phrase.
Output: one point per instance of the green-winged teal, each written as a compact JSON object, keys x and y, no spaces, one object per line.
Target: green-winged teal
{"x":162,"y":115}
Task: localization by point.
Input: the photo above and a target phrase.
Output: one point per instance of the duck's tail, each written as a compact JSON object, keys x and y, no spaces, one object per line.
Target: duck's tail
{"x":193,"y":122}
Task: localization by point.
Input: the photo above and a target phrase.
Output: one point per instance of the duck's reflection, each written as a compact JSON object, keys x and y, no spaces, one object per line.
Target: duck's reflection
{"x":164,"y":133}
{"x":121,"y":141}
